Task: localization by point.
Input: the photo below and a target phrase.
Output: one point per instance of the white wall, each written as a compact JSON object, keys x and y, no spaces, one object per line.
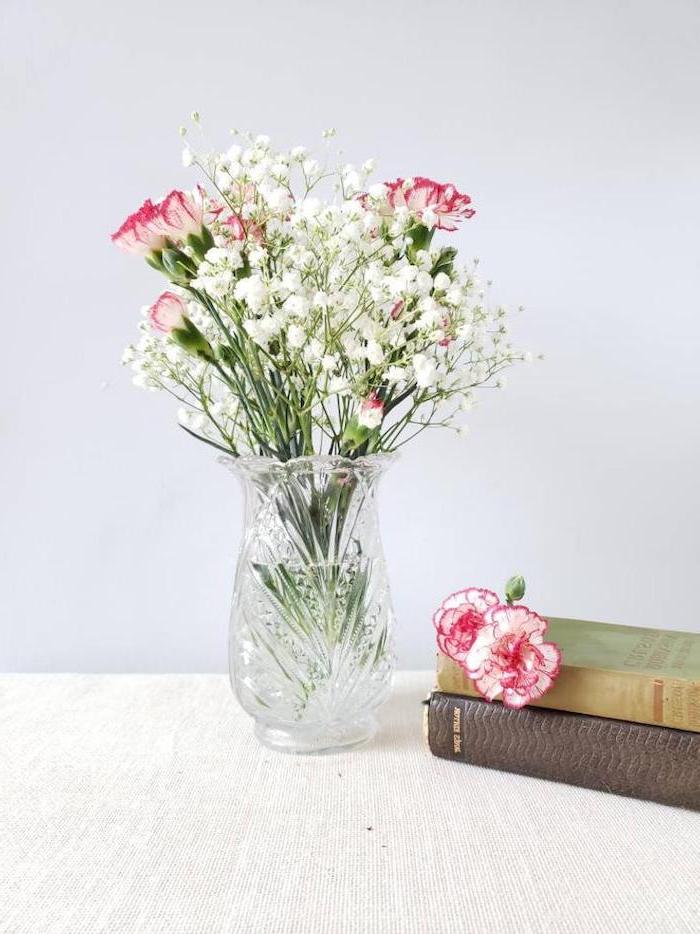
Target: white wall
{"x":574,"y":125}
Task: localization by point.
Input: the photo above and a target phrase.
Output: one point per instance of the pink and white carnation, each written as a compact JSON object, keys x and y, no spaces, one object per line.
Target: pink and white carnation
{"x":182,"y":213}
{"x":234,"y":227}
{"x":510,"y":658}
{"x":167,"y":313}
{"x":142,"y":232}
{"x":459,"y":619}
{"x":371,"y":412}
{"x":433,"y":203}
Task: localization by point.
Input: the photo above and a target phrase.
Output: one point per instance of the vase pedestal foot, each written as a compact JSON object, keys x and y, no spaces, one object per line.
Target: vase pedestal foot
{"x":318,"y":739}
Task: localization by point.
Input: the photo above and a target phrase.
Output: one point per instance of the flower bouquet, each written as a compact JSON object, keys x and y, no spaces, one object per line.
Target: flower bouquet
{"x":314,"y":323}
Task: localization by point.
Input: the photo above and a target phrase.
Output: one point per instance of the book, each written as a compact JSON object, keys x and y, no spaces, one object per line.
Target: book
{"x":634,"y":759}
{"x":621,"y":672}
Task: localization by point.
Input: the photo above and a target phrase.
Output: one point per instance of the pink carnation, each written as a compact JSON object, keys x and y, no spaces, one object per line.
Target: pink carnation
{"x":142,"y":232}
{"x":442,"y":205}
{"x":459,"y":619}
{"x":235,"y":227}
{"x":179,"y":214}
{"x":167,"y":313}
{"x":509,"y":656}
{"x":239,"y":229}
{"x":396,"y":309}
{"x":182,"y":213}
{"x":371,"y":411}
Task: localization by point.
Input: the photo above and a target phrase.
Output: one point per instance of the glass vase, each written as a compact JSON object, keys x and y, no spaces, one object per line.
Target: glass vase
{"x":311,"y":653}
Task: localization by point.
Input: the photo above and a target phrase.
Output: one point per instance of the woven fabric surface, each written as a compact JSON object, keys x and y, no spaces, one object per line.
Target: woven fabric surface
{"x":142,"y":804}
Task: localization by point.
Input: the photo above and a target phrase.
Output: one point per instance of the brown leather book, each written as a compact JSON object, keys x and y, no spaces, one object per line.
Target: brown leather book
{"x":649,"y":762}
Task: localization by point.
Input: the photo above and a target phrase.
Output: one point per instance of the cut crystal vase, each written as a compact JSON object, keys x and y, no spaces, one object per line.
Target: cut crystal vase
{"x":311,"y":654}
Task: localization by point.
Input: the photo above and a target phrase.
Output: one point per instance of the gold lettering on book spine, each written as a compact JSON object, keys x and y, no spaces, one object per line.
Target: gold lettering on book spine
{"x":457,"y":729}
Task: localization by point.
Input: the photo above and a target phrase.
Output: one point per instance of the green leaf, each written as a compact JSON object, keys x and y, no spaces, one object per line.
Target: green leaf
{"x":155,"y":260}
{"x":197,"y":246}
{"x":445,"y":261}
{"x":420,"y":237}
{"x":171,"y":259}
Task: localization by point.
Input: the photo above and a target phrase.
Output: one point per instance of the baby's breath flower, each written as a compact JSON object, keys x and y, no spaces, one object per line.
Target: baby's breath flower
{"x":289,"y":297}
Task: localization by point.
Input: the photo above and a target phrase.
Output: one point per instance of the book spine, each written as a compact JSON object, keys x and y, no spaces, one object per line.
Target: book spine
{"x":632,"y":696}
{"x":648,"y":762}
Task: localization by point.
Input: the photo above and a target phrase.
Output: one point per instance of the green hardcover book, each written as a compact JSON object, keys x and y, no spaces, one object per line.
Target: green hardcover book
{"x":623,"y":672}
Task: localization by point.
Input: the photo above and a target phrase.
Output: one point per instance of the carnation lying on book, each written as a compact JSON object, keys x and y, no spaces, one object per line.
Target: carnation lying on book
{"x":612,"y":693}
{"x":500,"y":646}
{"x":498,"y":651}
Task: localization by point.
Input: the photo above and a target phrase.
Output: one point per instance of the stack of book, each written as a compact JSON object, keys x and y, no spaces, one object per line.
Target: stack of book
{"x":623,"y":715}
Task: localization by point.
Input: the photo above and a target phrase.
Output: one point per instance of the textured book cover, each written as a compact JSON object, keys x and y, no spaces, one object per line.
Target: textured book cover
{"x":633,"y":759}
{"x":624,"y":672}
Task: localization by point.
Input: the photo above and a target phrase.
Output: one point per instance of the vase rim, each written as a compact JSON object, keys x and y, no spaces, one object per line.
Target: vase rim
{"x":253,"y":463}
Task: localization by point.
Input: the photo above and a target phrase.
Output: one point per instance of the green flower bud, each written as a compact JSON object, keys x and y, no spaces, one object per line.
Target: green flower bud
{"x":155,"y":259}
{"x":191,"y":339}
{"x":515,"y":589}
{"x":178,"y":266}
{"x":354,"y":435}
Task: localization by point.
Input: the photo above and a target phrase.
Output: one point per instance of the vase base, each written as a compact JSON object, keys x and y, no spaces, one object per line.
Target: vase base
{"x":315,"y":740}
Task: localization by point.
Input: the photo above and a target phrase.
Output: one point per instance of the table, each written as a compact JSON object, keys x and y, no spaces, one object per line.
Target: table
{"x":141,"y":804}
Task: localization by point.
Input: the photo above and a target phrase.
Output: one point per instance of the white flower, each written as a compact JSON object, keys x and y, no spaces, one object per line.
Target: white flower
{"x":291,"y":280}
{"x":310,"y":207}
{"x":442,"y":282}
{"x":311,"y":168}
{"x":395,"y":374}
{"x":378,"y":191}
{"x":424,"y":283}
{"x":352,"y":231}
{"x":251,"y":290}
{"x":296,"y":336}
{"x":278,"y":199}
{"x":351,"y":179}
{"x":296,"y":306}
{"x":339,"y":385}
{"x":423,"y":260}
{"x":313,"y":352}
{"x":425,"y":371}
{"x":374,"y":353}
{"x":255,"y":331}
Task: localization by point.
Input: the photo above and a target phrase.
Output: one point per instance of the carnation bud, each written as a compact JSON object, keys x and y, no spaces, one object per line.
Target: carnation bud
{"x":515,"y":588}
{"x":354,"y":436}
{"x":191,"y":339}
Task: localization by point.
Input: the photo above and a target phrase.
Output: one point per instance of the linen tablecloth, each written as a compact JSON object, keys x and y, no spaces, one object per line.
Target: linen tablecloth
{"x":141,"y":804}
